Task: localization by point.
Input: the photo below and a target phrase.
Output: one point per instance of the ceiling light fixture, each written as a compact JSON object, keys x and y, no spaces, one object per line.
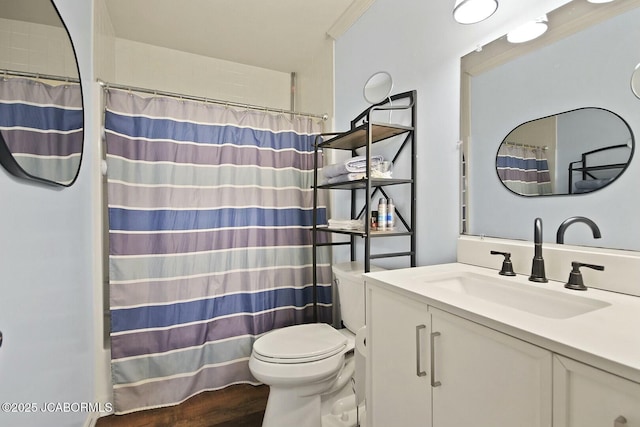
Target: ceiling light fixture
{"x":529,"y":31}
{"x":599,"y":1}
{"x":472,"y":11}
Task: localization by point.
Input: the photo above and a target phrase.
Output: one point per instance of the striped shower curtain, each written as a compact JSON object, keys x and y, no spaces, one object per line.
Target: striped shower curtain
{"x":524,"y":170}
{"x":210,"y":215}
{"x":43,"y":127}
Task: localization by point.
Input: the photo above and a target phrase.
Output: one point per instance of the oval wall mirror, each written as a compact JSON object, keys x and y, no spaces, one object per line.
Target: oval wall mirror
{"x":41,"y":110}
{"x":635,"y":81}
{"x":378,"y":87}
{"x":574,"y":152}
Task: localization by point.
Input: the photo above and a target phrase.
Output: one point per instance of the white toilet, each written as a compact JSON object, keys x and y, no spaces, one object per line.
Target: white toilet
{"x":309,"y":368}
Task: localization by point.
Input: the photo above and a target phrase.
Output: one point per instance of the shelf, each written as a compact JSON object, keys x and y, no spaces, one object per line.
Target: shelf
{"x":597,"y":168}
{"x":362,"y":183}
{"x":357,"y":137}
{"x":362,"y":233}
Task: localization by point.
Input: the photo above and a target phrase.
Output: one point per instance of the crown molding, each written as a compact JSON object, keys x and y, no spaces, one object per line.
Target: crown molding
{"x":348,"y":18}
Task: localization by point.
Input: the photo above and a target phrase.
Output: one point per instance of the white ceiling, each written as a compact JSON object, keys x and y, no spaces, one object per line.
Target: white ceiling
{"x":280,"y":35}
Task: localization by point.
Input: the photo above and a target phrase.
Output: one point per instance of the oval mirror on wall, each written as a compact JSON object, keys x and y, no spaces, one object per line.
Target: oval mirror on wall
{"x":41,"y":110}
{"x":574,"y":152}
{"x":635,"y":81}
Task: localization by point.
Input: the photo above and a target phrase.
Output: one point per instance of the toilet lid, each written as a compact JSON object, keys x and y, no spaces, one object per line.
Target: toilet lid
{"x":300,"y":343}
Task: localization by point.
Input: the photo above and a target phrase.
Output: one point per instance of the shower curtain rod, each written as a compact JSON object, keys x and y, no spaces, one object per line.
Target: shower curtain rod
{"x":210,"y":100}
{"x":7,"y":73}
{"x":518,"y":144}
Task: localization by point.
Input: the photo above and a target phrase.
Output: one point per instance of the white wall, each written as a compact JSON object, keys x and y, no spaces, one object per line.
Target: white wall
{"x":104,"y":55}
{"x":314,"y":89}
{"x":46,"y":260}
{"x":421,"y":45}
{"x":35,"y":48}
{"x":153,"y":67}
{"x":135,"y":64}
{"x":143,"y":65}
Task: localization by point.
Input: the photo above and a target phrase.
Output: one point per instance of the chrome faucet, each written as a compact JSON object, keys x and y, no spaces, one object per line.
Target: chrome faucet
{"x":572,"y":220}
{"x":537,"y":267}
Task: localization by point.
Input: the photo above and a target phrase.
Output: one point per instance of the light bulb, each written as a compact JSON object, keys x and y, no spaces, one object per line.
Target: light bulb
{"x":528,"y":31}
{"x":472,"y":11}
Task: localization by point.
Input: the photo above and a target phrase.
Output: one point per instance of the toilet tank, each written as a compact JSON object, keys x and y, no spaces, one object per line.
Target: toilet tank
{"x":348,"y":278}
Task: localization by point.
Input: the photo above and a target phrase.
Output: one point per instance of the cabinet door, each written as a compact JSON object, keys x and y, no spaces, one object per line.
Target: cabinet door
{"x":588,"y":397}
{"x":398,"y":389}
{"x":486,"y":378}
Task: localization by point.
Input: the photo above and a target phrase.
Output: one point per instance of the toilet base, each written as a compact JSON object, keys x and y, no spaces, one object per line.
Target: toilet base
{"x":292,"y":409}
{"x":345,"y":414}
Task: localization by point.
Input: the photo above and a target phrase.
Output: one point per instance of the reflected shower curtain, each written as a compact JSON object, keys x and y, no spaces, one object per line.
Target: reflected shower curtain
{"x":210,"y":215}
{"x":524,"y":170}
{"x":43,"y":126}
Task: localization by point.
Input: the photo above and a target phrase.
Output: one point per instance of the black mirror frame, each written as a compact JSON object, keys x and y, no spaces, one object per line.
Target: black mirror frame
{"x":6,"y":157}
{"x":622,"y":170}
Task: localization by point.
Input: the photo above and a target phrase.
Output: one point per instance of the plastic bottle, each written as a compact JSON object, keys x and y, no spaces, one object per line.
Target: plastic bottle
{"x":382,"y":214}
{"x":391,"y":214}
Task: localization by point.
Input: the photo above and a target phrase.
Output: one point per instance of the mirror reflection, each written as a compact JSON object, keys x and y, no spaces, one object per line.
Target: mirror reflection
{"x":569,"y":68}
{"x":41,"y":111}
{"x":574,"y":152}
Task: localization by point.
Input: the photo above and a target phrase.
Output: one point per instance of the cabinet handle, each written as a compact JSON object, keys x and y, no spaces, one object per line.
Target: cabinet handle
{"x":419,"y":371}
{"x":620,"y":421}
{"x":434,"y":383}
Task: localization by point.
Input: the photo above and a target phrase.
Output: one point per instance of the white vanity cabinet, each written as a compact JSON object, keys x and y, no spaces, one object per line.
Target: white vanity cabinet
{"x":484,"y":378}
{"x":585,"y":396}
{"x":427,"y":367}
{"x":498,"y":353}
{"x":398,"y":388}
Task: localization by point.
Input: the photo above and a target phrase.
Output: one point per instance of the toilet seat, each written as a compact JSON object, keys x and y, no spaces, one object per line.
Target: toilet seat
{"x":300,"y":344}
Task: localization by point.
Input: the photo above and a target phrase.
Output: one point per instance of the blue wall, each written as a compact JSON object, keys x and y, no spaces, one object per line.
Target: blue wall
{"x":46,"y":300}
{"x":420,"y":44}
{"x":591,"y":68}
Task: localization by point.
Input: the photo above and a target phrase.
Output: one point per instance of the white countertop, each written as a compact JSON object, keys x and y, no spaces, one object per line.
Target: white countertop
{"x":608,"y":338}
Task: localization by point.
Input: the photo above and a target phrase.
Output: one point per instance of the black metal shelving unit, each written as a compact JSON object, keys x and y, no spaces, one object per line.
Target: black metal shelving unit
{"x":363,"y":134}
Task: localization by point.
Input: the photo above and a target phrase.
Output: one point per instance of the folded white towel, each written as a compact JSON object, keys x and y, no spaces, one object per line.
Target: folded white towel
{"x":354,"y":164}
{"x":346,"y":177}
{"x":346,"y":224}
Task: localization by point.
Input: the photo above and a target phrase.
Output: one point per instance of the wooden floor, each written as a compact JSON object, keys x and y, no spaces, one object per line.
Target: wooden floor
{"x":236,"y":406}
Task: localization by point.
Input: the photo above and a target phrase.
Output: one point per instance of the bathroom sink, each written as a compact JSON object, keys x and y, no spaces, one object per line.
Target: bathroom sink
{"x":533,"y":299}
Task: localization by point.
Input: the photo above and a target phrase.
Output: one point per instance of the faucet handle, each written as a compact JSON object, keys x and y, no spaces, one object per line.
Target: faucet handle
{"x":507,"y":266}
{"x":575,"y":281}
